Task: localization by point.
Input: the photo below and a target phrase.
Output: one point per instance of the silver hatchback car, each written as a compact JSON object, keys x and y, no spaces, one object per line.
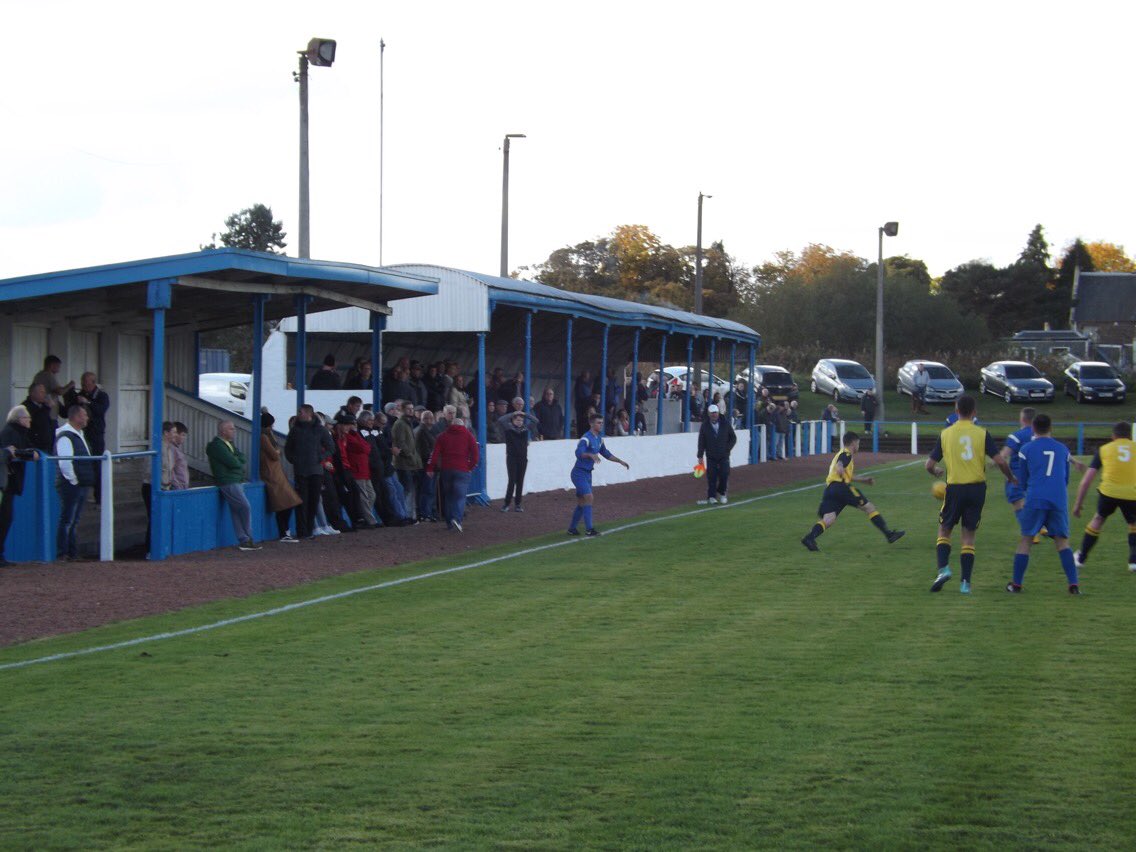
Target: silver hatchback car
{"x":841,"y":379}
{"x":942,"y":384}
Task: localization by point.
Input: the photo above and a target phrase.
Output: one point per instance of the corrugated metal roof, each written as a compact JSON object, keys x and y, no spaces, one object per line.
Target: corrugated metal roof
{"x":531,"y":294}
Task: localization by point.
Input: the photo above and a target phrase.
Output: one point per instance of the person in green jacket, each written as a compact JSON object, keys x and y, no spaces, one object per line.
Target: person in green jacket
{"x":227,"y":465}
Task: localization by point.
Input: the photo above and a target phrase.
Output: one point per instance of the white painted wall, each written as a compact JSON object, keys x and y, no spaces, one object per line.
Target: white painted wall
{"x":550,"y":462}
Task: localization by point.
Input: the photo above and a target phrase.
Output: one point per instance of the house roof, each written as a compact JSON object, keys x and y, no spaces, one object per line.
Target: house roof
{"x":1105,"y":297}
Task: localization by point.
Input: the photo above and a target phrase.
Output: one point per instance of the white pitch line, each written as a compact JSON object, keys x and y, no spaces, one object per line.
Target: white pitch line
{"x":252,"y":616}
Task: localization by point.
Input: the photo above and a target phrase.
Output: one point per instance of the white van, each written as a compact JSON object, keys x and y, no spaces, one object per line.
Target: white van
{"x":229,"y":390}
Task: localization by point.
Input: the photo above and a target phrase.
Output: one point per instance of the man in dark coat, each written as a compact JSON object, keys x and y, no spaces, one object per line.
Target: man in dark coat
{"x":97,"y":402}
{"x":716,"y":439}
{"x":550,"y":416}
{"x":44,"y":424}
{"x":326,"y":377}
{"x":308,"y":443}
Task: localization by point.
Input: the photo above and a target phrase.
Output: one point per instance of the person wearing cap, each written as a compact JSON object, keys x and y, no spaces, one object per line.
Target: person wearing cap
{"x":716,"y":439}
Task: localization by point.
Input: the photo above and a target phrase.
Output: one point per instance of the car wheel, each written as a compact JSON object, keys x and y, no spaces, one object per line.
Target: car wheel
{"x":836,"y":394}
{"x":899,"y":390}
{"x":813,"y":386}
{"x":1008,"y":397}
{"x":1080,"y":397}
{"x":982,"y":387}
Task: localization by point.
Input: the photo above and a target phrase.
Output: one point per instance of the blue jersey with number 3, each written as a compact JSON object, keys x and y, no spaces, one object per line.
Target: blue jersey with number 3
{"x":1044,"y":473}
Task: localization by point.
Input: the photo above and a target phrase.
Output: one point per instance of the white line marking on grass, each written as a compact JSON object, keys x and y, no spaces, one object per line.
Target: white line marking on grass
{"x":280,"y":610}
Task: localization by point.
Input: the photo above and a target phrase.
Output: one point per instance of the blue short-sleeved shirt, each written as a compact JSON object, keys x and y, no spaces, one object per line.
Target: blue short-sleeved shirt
{"x":1044,"y":473}
{"x":1015,"y":441}
{"x":590,"y":443}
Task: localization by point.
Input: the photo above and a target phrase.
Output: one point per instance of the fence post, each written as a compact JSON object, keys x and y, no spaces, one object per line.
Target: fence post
{"x":914,"y":438}
{"x":106,"y":510}
{"x":796,"y":440}
{"x":1080,"y":439}
{"x":876,"y":435}
{"x":763,"y":450}
{"x":841,"y":434}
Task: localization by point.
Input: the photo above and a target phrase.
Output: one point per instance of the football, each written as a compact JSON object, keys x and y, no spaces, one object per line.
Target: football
{"x":939,"y":490}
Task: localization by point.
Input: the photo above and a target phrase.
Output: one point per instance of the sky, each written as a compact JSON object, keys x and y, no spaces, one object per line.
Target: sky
{"x":135,"y":129}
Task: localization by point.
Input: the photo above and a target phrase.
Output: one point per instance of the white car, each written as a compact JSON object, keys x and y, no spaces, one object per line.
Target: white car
{"x":230,"y":391}
{"x":676,"y":378}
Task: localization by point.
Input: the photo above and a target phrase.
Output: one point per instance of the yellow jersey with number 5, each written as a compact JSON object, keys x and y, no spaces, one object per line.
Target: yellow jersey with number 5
{"x":1117,"y":461}
{"x":963,"y":448}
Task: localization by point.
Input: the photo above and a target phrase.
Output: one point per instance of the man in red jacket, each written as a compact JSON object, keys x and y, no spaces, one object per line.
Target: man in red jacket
{"x":455,"y":455}
{"x":355,"y":462}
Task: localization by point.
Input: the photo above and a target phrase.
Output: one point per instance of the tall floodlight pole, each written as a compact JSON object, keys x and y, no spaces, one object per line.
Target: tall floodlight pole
{"x":382,"y":50}
{"x":505,"y":205}
{"x":890,"y":229}
{"x":321,"y":53}
{"x":698,"y":259}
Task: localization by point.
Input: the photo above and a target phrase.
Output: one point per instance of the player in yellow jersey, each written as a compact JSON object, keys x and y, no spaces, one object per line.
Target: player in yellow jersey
{"x":963,"y":447}
{"x":840,"y":492}
{"x":1116,"y":461}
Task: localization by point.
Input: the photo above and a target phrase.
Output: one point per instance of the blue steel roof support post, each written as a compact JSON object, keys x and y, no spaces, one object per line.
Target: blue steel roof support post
{"x":689,"y":384}
{"x":159,"y":296}
{"x":482,"y":477}
{"x":258,"y":303}
{"x":634,"y":382}
{"x":710,"y":378}
{"x":730,"y":378}
{"x":197,"y":363}
{"x":301,"y":380}
{"x":569,"y":390}
{"x":378,"y":324}
{"x":750,"y":402}
{"x":603,"y":376}
{"x":662,"y":384}
{"x":527,"y":390}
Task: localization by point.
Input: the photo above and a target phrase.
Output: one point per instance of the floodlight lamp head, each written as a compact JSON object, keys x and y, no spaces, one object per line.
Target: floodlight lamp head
{"x":321,"y":51}
{"x":891,"y":228}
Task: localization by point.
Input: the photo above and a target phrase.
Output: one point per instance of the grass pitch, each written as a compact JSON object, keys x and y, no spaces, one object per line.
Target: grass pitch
{"x":699,"y":682}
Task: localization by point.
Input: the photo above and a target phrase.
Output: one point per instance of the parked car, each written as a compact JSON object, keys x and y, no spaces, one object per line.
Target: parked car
{"x":1015,"y":381}
{"x":777,"y":380}
{"x":1094,"y":381}
{"x":942,"y":384}
{"x":841,"y":379}
{"x":228,"y":390}
{"x":676,"y":381}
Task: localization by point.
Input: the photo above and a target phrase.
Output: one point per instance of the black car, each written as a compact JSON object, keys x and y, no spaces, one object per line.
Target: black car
{"x":1015,"y":381}
{"x":1094,"y":381}
{"x":777,"y":380}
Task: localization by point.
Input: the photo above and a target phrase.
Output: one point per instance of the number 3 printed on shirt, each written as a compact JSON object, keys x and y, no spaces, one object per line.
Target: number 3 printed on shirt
{"x":967,"y":447}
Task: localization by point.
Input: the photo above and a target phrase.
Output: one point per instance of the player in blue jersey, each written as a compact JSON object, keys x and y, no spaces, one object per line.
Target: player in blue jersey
{"x":1015,"y":492}
{"x":589,"y":451}
{"x":1043,"y":471}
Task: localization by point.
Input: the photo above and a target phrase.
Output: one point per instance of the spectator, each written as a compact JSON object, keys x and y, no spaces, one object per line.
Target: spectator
{"x":418,"y":389}
{"x":352,"y":407}
{"x":514,"y":387}
{"x":921,"y":379}
{"x":97,"y":402}
{"x":494,"y":434}
{"x":169,"y":436}
{"x":326,"y":377}
{"x":424,"y":439}
{"x":831,"y":416}
{"x":75,"y":477}
{"x":361,"y":378}
{"x":868,"y":409}
{"x":353,"y":472}
{"x":227,"y":465}
{"x":550,"y":416}
{"x":781,"y":418}
{"x":395,"y":496}
{"x":640,"y":418}
{"x":399,"y":387}
{"x":449,"y":412}
{"x":43,"y":423}
{"x":435,"y":388}
{"x":278,"y":491}
{"x":407,"y":463}
{"x":382,"y":507}
{"x":716,"y":440}
{"x":772,"y":439}
{"x":582,"y":397}
{"x":454,"y":458}
{"x":402,"y":365}
{"x":49,"y":378}
{"x":16,"y":448}
{"x":622,"y":424}
{"x":457,"y":395}
{"x":515,"y":427}
{"x":307,"y":443}
{"x":696,"y":403}
{"x":794,"y":427}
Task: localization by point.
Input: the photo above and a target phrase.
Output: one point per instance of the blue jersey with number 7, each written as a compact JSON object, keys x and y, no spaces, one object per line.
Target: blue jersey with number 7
{"x":1044,"y":473}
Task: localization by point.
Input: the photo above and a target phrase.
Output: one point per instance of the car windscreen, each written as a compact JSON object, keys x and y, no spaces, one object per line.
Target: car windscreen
{"x":937,"y":372}
{"x":1022,"y":371}
{"x":852,"y":371}
{"x":1098,"y":372}
{"x":775,"y":377}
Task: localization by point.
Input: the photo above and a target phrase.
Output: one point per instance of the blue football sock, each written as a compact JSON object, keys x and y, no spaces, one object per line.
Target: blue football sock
{"x":1069,"y":565}
{"x":1021,"y":562}
{"x":576,"y":515}
{"x":588,"y":517}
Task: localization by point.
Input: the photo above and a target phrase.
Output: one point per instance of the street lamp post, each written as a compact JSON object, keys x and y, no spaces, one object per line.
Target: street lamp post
{"x":321,"y":53}
{"x":505,"y":205}
{"x":890,"y":229}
